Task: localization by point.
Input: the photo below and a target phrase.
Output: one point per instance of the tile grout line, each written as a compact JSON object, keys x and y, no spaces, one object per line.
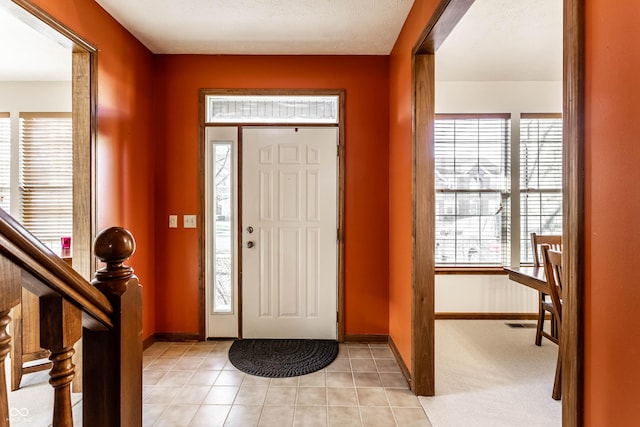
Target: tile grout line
{"x":272,"y":388}
{"x":357,"y":398}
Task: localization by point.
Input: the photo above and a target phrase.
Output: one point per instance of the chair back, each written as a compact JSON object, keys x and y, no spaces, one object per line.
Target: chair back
{"x":537,"y":240}
{"x":553,"y":271}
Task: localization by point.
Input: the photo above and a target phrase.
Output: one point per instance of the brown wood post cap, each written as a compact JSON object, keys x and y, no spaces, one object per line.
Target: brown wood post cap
{"x":114,"y":245}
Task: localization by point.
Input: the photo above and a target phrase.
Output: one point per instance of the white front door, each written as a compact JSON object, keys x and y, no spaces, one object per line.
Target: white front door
{"x":289,"y":236}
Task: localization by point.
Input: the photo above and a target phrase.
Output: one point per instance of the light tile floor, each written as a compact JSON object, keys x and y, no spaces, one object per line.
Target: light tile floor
{"x":194,"y":384}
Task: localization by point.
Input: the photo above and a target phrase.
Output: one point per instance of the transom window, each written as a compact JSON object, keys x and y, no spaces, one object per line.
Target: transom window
{"x":272,"y":109}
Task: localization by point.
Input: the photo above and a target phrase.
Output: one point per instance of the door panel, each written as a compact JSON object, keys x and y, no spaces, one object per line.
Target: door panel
{"x":289,"y":258}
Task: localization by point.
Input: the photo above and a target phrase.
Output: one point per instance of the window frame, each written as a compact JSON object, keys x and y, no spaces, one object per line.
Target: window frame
{"x":63,"y":186}
{"x":272,"y":109}
{"x":522,"y":190}
{"x":505,"y":191}
{"x":515,"y":192}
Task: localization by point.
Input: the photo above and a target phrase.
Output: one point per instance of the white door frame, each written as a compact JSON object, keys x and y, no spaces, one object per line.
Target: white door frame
{"x":202,"y":334}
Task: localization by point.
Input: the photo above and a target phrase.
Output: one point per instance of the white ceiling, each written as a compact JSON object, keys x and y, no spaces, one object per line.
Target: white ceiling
{"x":27,"y":55}
{"x":504,"y":40}
{"x":496,"y":39}
{"x":288,"y":27}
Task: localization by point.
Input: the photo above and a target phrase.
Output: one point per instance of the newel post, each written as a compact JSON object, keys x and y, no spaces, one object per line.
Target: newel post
{"x":112,"y":359}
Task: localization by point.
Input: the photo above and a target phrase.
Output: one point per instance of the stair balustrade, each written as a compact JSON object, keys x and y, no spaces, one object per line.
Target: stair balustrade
{"x":106,"y":314}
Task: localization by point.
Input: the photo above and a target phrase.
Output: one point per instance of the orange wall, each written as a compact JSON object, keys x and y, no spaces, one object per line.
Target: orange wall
{"x":400,"y":178}
{"x":612,"y":214}
{"x":374,"y":223}
{"x":125,"y":168}
{"x":365,"y":79}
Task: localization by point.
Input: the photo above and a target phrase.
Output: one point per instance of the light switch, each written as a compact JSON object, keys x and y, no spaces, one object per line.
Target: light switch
{"x":173,"y":221}
{"x":189,"y":221}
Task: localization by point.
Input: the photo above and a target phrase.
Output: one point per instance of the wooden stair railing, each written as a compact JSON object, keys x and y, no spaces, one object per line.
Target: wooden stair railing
{"x":106,"y":314}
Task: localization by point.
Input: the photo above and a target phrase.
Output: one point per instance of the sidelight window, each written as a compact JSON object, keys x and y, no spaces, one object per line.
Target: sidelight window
{"x":223,"y":203}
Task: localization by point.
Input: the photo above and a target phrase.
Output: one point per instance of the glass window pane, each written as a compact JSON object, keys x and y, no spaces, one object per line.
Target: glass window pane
{"x":472,"y":182}
{"x":46,"y":174}
{"x":540,"y":180}
{"x":272,"y":109}
{"x":222,"y":238}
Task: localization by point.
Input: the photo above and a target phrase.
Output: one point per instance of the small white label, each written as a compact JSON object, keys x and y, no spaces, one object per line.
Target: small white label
{"x":173,"y":221}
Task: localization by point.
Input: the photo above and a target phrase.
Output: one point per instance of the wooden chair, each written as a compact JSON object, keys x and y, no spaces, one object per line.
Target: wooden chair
{"x":553,"y":272}
{"x":555,"y":243}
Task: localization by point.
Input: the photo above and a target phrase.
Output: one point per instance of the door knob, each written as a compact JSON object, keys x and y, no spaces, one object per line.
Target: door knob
{"x":249,"y":244}
{"x":249,"y":229}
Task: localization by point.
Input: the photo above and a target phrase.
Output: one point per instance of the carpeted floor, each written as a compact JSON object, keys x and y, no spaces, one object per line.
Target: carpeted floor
{"x":32,"y":404}
{"x":282,"y":358}
{"x":488,"y":374}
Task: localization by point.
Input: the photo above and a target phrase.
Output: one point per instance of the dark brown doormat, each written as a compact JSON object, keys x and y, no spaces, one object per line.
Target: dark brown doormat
{"x":281,"y":358}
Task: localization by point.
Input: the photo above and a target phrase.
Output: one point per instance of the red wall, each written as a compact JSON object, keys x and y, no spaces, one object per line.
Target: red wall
{"x":612,"y":213}
{"x":125,"y":168}
{"x":400,"y":178}
{"x":365,"y":79}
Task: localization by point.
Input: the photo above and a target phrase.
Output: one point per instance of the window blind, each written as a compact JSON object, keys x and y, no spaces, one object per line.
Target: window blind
{"x":540,"y":178}
{"x":472,"y":174}
{"x":46,"y":175}
{"x":5,"y":161}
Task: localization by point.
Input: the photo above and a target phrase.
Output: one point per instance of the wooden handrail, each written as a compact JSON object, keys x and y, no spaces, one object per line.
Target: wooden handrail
{"x":49,"y":270}
{"x":106,"y":314}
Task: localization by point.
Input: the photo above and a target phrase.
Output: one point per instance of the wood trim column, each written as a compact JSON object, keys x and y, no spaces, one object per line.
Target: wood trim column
{"x":423,"y":230}
{"x":82,"y":164}
{"x":572,"y":339}
{"x":443,"y":20}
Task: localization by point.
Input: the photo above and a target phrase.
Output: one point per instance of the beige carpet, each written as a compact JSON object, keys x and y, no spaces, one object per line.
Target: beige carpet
{"x":32,"y":404}
{"x":488,"y":374}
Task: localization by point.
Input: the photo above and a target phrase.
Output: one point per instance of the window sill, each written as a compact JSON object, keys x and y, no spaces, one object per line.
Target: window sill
{"x":470,"y":270}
